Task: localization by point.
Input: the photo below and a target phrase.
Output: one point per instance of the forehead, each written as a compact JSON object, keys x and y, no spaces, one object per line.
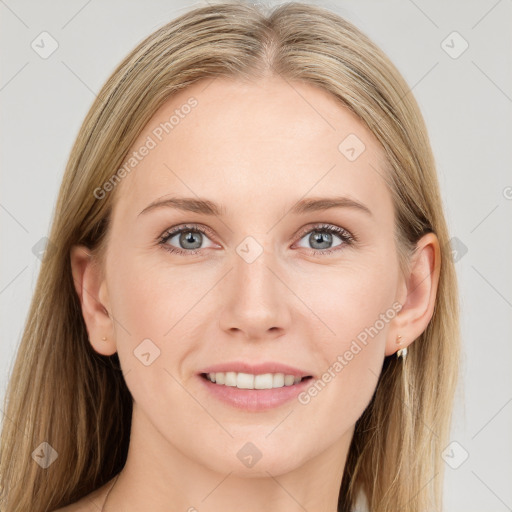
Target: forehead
{"x":242,"y":143}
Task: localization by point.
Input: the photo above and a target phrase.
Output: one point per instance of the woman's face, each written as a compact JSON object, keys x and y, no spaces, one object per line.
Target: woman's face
{"x":249,"y":280}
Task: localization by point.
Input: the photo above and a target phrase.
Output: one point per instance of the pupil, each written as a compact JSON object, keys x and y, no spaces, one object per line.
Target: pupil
{"x":188,"y":238}
{"x":320,"y":238}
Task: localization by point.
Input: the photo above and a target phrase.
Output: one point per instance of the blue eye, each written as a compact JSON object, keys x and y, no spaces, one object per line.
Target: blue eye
{"x":322,"y":236}
{"x":190,"y":238}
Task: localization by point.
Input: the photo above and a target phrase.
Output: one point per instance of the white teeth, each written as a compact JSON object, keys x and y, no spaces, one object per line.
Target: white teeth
{"x":230,"y":379}
{"x":278,"y":381}
{"x":289,"y":380}
{"x":249,"y":381}
{"x":265,"y":381}
{"x":245,"y":381}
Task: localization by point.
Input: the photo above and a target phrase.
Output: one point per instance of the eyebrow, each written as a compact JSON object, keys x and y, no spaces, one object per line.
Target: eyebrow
{"x":206,"y":207}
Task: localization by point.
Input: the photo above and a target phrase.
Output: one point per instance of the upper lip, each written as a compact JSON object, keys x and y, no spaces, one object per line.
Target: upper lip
{"x":256,"y":369}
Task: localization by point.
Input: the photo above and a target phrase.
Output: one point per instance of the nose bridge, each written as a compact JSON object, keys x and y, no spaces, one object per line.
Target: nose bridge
{"x":254,"y":297}
{"x":255,"y":282}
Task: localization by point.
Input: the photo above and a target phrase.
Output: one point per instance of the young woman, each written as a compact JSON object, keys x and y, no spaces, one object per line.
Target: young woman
{"x":251,"y":303}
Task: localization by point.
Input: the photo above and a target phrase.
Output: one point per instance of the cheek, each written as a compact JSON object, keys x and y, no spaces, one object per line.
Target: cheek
{"x":153,"y":312}
{"x":349,"y":301}
{"x":356,"y":305}
{"x":157,"y":313}
{"x":142,"y":308}
{"x":150,"y":300}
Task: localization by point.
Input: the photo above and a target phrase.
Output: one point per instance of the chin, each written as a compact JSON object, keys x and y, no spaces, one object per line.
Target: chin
{"x":256,"y":456}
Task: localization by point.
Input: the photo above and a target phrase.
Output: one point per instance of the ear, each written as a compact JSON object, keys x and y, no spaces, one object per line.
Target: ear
{"x":92,"y":292}
{"x":419,"y":291}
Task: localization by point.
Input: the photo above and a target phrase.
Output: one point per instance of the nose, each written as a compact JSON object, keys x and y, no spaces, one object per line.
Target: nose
{"x":255,"y":300}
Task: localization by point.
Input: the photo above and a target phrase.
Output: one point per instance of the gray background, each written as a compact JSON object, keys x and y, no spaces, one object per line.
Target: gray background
{"x":467,"y":104}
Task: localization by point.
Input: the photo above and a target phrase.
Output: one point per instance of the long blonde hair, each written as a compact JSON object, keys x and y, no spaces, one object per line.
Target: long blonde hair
{"x":65,"y":394}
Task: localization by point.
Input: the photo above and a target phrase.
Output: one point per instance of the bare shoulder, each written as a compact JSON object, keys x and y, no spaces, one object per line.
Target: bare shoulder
{"x":90,"y":503}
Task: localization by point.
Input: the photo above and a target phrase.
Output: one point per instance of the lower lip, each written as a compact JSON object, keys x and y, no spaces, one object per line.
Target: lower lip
{"x":255,"y":399}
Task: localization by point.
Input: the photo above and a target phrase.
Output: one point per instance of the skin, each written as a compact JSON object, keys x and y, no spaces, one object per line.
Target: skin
{"x":274,"y":144}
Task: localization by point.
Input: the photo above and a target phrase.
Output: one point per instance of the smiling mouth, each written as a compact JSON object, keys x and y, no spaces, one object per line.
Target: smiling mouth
{"x":242,"y":380}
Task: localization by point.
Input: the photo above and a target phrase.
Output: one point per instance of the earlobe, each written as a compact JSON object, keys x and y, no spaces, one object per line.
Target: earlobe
{"x":91,"y":290}
{"x":421,"y":291}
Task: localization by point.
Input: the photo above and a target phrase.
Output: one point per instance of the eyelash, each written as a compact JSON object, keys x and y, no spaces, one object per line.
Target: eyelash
{"x":346,"y":237}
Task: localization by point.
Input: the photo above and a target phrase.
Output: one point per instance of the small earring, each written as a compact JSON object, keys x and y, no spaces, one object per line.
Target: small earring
{"x":401,"y":353}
